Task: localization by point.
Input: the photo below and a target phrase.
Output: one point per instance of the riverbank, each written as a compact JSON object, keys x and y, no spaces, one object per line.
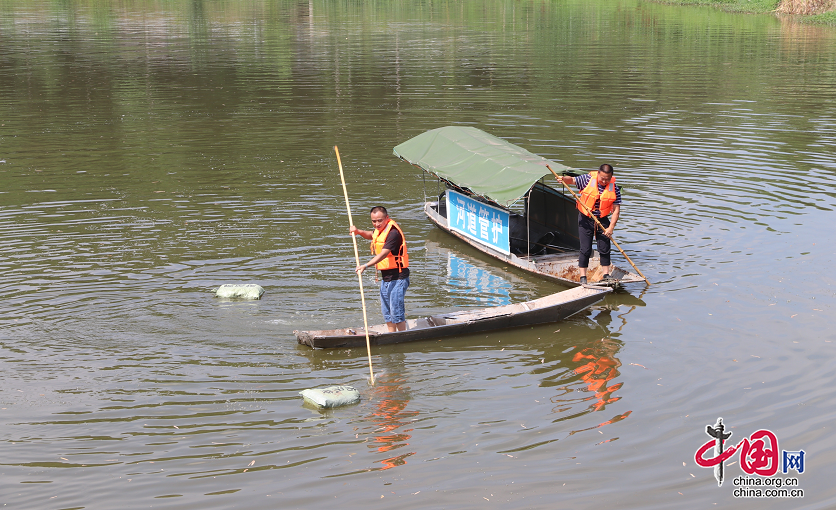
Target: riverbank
{"x":816,"y":13}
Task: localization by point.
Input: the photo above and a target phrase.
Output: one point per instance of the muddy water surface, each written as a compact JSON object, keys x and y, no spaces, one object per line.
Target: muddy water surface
{"x":150,"y":152}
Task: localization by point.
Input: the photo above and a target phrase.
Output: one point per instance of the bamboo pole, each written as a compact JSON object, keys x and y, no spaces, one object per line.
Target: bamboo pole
{"x":357,"y":260}
{"x":598,"y":222}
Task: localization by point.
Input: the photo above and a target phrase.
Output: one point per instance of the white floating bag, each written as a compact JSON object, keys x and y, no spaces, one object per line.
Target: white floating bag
{"x":332,"y":396}
{"x":239,"y":291}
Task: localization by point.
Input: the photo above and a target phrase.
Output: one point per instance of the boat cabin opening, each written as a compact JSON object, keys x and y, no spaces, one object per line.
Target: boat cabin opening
{"x":544,"y":222}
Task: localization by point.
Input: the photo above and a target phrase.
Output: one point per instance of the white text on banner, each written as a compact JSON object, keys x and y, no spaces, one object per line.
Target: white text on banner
{"x":481,"y":222}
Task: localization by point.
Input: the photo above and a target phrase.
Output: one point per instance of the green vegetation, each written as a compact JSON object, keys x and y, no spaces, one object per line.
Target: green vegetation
{"x":753,"y":6}
{"x":828,"y":18}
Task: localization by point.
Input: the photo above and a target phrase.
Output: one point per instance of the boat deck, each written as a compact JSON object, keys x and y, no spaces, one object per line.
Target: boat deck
{"x":565,"y":266}
{"x":552,"y":308}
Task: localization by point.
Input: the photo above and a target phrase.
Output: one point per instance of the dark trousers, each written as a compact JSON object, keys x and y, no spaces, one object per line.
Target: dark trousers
{"x":587,"y":229}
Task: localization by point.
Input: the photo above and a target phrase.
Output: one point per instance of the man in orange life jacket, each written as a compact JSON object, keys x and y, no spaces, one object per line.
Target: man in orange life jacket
{"x":389,"y":250}
{"x":602,"y":197}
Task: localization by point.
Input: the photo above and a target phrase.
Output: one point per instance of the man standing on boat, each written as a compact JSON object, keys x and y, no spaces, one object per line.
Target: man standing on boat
{"x":390,"y":257}
{"x":600,"y":195}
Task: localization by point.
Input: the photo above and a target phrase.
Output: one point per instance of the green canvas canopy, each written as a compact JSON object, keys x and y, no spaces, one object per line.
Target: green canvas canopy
{"x":471,"y":158}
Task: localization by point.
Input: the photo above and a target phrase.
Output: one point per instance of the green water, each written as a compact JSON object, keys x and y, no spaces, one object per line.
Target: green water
{"x":151,"y":151}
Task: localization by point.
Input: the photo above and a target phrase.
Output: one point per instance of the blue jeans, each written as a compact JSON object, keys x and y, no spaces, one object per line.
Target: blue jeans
{"x":391,"y":300}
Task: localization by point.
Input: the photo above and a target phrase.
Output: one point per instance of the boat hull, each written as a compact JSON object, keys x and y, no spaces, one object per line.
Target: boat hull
{"x":548,"y":309}
{"x":561,"y":267}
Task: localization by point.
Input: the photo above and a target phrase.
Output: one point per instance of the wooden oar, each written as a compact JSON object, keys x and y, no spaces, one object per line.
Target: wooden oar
{"x":357,"y":259}
{"x":598,"y":222}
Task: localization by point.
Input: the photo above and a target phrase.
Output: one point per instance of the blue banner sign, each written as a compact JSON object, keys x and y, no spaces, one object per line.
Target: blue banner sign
{"x":483,"y":223}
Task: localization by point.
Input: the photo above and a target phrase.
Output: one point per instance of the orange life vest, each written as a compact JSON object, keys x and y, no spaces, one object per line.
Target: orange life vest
{"x":392,"y":261}
{"x":590,"y":195}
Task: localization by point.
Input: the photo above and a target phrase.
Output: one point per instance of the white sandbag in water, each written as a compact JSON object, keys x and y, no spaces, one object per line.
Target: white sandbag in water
{"x":332,"y":396}
{"x":239,"y":291}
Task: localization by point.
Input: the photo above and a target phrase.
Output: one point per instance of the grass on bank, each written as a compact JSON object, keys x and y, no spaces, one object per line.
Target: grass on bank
{"x":756,"y":7}
{"x":828,"y":18}
{"x":753,"y":6}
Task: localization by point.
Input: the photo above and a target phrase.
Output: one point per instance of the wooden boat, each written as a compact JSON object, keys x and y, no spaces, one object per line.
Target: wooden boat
{"x":497,"y":200}
{"x":552,"y":308}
